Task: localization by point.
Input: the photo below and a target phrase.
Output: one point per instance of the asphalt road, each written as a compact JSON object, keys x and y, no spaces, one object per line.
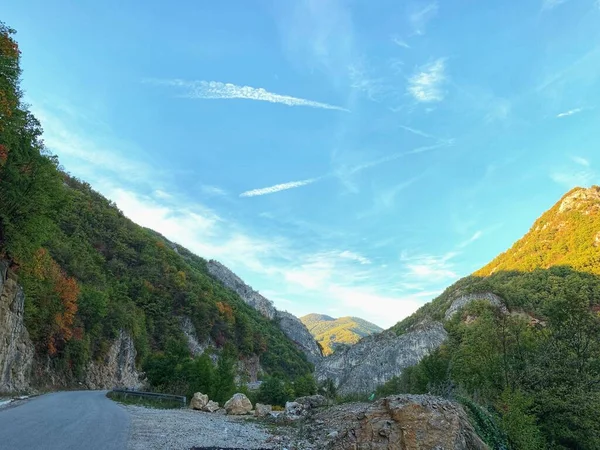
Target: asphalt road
{"x":65,"y":420}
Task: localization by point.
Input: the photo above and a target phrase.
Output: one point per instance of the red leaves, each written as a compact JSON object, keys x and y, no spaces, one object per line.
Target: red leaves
{"x":3,"y":154}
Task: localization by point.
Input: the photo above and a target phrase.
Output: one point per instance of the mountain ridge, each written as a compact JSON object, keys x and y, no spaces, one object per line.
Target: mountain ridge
{"x":331,"y":332}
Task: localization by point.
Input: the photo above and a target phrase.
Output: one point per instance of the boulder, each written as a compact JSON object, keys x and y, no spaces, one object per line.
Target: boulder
{"x":294,"y":410}
{"x":312,"y":401}
{"x":261,"y":410}
{"x":239,"y":404}
{"x":407,"y":422}
{"x":199,"y":401}
{"x":211,"y":406}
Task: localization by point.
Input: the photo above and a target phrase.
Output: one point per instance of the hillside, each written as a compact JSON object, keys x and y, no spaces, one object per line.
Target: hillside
{"x":567,"y":234}
{"x":345,"y":330}
{"x":524,"y":335}
{"x":97,"y":289}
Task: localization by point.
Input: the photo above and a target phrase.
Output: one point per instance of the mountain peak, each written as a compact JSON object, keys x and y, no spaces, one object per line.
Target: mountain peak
{"x":567,"y":234}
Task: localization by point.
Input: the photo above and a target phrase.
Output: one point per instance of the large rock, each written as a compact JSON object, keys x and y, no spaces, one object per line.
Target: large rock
{"x":118,"y":368}
{"x":376,"y":359}
{"x":261,"y":410}
{"x":464,"y":300}
{"x":312,"y":401}
{"x":199,"y":401}
{"x":239,"y":404}
{"x":403,"y":422}
{"x":211,"y":406}
{"x":293,"y":328}
{"x":16,"y":348}
{"x":295,"y":410}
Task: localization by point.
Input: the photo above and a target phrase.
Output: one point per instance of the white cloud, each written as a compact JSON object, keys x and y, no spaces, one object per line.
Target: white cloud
{"x":569,"y":112}
{"x":551,"y":4}
{"x":217,"y":90}
{"x":581,"y":161}
{"x":426,"y":84}
{"x":419,"y":19}
{"x":346,"y":254}
{"x":472,"y":239}
{"x":278,"y":188}
{"x":361,"y":79}
{"x":400,"y":42}
{"x":574,"y":178}
{"x":431,"y":267}
{"x":213,"y":190}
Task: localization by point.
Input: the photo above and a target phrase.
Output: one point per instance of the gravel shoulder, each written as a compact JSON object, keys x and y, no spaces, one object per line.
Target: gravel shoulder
{"x":185,"y":429}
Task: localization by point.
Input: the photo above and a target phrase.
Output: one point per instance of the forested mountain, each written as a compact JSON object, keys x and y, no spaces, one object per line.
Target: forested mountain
{"x":89,"y":274}
{"x":523,"y":349}
{"x":345,"y":330}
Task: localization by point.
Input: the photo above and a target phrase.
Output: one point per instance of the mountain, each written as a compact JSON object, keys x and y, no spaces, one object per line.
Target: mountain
{"x":567,"y":234}
{"x":88,"y":297}
{"x":345,"y":330}
{"x":520,"y":338}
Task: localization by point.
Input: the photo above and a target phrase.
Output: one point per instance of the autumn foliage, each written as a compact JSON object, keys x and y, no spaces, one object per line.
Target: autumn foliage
{"x":61,"y":293}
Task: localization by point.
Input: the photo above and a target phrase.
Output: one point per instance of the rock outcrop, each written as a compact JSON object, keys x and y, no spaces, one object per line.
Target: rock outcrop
{"x":16,"y":348}
{"x":464,"y":300}
{"x":293,"y":328}
{"x":118,"y":367}
{"x":239,"y":404}
{"x":377,"y":358}
{"x":402,"y":422}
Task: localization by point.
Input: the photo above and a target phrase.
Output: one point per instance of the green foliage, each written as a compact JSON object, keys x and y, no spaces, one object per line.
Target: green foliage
{"x":485,"y":424}
{"x":305,"y":385}
{"x":275,"y":391}
{"x":330,"y":333}
{"x":519,"y":422}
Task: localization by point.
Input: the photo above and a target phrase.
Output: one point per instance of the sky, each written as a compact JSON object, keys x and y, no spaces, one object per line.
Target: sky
{"x":342,"y":157}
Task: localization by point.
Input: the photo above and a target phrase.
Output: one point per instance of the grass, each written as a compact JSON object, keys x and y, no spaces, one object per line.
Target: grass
{"x":157,"y":403}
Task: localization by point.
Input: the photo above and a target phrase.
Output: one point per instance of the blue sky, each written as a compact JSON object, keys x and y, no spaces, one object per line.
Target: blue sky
{"x":343,"y":157}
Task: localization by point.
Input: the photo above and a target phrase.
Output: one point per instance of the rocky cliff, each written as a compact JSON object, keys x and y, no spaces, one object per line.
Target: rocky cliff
{"x":118,"y":367}
{"x":289,"y":324}
{"x":16,"y":349}
{"x":377,"y":358}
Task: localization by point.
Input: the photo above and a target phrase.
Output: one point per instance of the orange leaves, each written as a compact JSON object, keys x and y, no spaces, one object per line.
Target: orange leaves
{"x":3,"y":154}
{"x":225,"y":311}
{"x":8,"y":47}
{"x":66,"y":290}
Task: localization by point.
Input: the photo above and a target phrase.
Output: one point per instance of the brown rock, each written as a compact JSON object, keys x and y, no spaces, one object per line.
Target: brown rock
{"x":239,"y":404}
{"x":405,"y":422}
{"x":261,"y":410}
{"x":199,"y":401}
{"x":211,"y":406}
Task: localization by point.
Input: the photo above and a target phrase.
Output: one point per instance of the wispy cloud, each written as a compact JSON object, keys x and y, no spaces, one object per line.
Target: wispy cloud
{"x":213,"y":190}
{"x":432,"y":267}
{"x":346,"y":254}
{"x":469,"y":241}
{"x":425,"y":85}
{"x":551,"y":4}
{"x":574,"y":178}
{"x":200,"y":89}
{"x":400,"y":42}
{"x":363,"y":80}
{"x":420,"y":18}
{"x":581,"y":161}
{"x":277,"y":188}
{"x":569,"y":112}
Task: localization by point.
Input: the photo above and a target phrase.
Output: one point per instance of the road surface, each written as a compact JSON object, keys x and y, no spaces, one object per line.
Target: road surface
{"x":65,"y":421}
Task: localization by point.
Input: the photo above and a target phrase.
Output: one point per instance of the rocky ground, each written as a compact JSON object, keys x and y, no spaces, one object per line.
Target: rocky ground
{"x":186,"y":429}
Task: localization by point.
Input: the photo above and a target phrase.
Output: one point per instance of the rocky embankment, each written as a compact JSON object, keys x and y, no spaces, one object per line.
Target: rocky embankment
{"x":16,"y":349}
{"x":377,"y":358}
{"x":289,"y":324}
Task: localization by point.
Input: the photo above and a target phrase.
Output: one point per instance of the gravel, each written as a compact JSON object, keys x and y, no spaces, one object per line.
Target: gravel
{"x":185,"y":429}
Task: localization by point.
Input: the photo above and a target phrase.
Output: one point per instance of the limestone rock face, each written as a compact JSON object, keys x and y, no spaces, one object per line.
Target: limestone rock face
{"x":199,"y":401}
{"x":403,"y":422}
{"x":464,"y":300}
{"x":211,"y":406}
{"x":293,"y":328}
{"x":376,"y":359}
{"x":261,"y":410}
{"x":118,"y":368}
{"x":239,"y":404}
{"x":16,"y":348}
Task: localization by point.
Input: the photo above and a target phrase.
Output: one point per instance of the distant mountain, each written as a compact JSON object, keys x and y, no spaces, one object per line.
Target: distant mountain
{"x":329,"y":331}
{"x":568,"y":234}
